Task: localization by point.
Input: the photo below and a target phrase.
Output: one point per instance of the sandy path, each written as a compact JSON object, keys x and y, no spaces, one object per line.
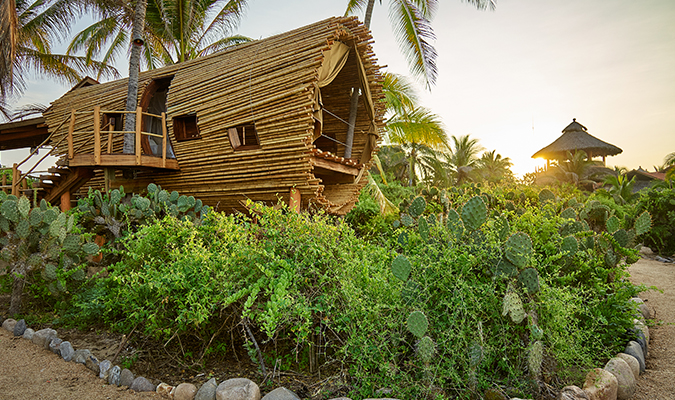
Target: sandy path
{"x":658,"y":383}
{"x":30,"y":372}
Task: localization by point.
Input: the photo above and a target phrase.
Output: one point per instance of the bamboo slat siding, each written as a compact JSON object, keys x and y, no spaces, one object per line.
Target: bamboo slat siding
{"x":271,"y":83}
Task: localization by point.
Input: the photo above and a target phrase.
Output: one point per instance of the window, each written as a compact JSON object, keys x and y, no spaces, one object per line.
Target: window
{"x":185,"y":128}
{"x":244,"y":137}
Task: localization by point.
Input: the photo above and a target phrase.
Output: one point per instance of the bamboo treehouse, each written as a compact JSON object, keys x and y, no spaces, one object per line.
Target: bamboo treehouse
{"x":268,"y":120}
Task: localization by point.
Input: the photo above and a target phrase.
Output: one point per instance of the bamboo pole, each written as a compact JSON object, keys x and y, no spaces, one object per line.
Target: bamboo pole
{"x":164,"y":139}
{"x":15,"y":179}
{"x":139,"y":115}
{"x":71,"y":128}
{"x":97,"y":135}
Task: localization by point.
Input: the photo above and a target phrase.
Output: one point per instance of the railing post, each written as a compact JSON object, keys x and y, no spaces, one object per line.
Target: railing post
{"x":163,"y":140}
{"x":4,"y":182}
{"x":97,"y":135}
{"x":139,"y":115}
{"x":15,"y":180}
{"x":71,"y":128}
{"x":110,"y":136}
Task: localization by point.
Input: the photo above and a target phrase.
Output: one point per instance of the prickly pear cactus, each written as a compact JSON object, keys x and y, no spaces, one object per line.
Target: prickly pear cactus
{"x":401,"y":268}
{"x":474,"y":213}
{"x":423,"y":228}
{"x":403,"y":238}
{"x":426,"y":349}
{"x":535,"y":357}
{"x":513,"y":307}
{"x":613,"y":224}
{"x":396,"y":224}
{"x":546,"y":195}
{"x":536,"y":332}
{"x":417,"y":207}
{"x":454,"y":223}
{"x":610,"y":258}
{"x":417,"y":323}
{"x":518,"y":249}
{"x":621,"y":237}
{"x":569,"y":213}
{"x":475,"y":355}
{"x":569,"y":245}
{"x":407,"y":220}
{"x":529,"y":278}
{"x":643,"y":223}
{"x":506,"y":268}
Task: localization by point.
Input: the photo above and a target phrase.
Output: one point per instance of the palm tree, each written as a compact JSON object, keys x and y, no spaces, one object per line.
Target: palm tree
{"x":494,"y":168}
{"x":464,"y":157}
{"x":27,"y":31}
{"x":575,"y":169}
{"x":410,"y":21}
{"x":621,"y":188}
{"x":175,"y":30}
{"x":134,"y":70}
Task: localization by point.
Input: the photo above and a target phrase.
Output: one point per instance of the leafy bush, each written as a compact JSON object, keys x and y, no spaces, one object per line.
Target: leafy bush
{"x":660,"y":203}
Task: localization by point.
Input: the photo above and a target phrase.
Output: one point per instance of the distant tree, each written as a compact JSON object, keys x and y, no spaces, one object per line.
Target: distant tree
{"x":621,"y":188}
{"x":494,"y":168}
{"x":464,"y":157}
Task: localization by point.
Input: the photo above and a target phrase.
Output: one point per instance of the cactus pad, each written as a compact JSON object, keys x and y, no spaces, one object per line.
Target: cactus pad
{"x":569,"y":213}
{"x":4,"y":223}
{"x":401,"y":268}
{"x":529,"y":278}
{"x":423,"y":228}
{"x":10,"y":211}
{"x":546,"y":195}
{"x":50,"y":271}
{"x":610,"y":258}
{"x":417,"y":206}
{"x":152,"y":188}
{"x":475,"y":355}
{"x":506,"y":268}
{"x":474,"y":213}
{"x":23,"y":205}
{"x":35,"y":217}
{"x":643,"y":223}
{"x":426,"y":349}
{"x":621,"y":236}
{"x":513,"y":307}
{"x":163,"y":196}
{"x":403,"y":239}
{"x":535,"y":357}
{"x":569,"y":245}
{"x":71,"y":244}
{"x":431,"y":219}
{"x":510,"y":205}
{"x":613,"y":224}
{"x":407,"y":220}
{"x":518,"y":249}
{"x":536,"y":332}
{"x":417,"y":323}
{"x":23,"y":229}
{"x":454,"y":223}
{"x":396,"y":224}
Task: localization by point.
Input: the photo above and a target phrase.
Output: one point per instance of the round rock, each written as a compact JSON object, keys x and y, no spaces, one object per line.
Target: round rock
{"x":28,"y":334}
{"x":141,"y":384}
{"x":238,"y":389}
{"x":92,"y":363}
{"x":43,"y":337}
{"x":166,"y":390}
{"x":55,"y":345}
{"x":624,"y":377}
{"x":573,"y":393}
{"x":104,"y":369}
{"x":114,"y":376}
{"x":66,"y":350}
{"x":632,"y":363}
{"x":185,"y":391}
{"x":81,"y":356}
{"x":20,"y":327}
{"x":9,"y":324}
{"x":208,"y":390}
{"x":281,"y":393}
{"x":126,"y":377}
{"x":634,"y":349}
{"x":601,"y":384}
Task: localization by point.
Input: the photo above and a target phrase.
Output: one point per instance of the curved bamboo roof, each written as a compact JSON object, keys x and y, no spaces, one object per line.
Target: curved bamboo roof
{"x":576,"y":137}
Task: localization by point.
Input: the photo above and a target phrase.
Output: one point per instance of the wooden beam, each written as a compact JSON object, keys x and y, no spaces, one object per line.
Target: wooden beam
{"x":163,"y":140}
{"x":123,"y":160}
{"x":97,"y":135}
{"x":65,"y":201}
{"x":139,"y":119}
{"x":71,"y":128}
{"x":295,"y":201}
{"x":333,"y":166}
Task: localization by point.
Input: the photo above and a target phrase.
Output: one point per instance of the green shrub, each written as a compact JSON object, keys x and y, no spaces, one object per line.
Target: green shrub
{"x":660,"y":203}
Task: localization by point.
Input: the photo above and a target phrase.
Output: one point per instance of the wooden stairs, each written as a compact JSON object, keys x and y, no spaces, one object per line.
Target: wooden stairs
{"x":61,"y":180}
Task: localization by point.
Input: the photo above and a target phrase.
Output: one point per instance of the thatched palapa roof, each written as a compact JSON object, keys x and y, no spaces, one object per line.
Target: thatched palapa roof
{"x":576,"y":137}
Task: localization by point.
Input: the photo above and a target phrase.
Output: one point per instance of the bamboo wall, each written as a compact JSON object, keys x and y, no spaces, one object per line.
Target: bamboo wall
{"x":269,"y":82}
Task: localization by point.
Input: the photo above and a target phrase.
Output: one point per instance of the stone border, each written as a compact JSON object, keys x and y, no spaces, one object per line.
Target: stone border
{"x":616,"y":381}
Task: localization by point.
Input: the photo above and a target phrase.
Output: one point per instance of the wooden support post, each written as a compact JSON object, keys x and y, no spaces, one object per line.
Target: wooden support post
{"x":97,"y":135}
{"x":24,"y":184}
{"x":15,"y":180}
{"x":71,"y":128}
{"x":108,"y":178}
{"x":4,"y":182}
{"x":65,"y":201}
{"x":139,"y":116}
{"x":110,"y":138}
{"x":295,"y":200}
{"x":163,"y":140}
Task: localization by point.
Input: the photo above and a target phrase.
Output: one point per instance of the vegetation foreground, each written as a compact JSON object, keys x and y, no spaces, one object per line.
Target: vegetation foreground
{"x":467,"y":290}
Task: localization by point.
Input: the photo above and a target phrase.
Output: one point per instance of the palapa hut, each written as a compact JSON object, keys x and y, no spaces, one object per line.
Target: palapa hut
{"x":576,"y":137}
{"x":266,"y":120}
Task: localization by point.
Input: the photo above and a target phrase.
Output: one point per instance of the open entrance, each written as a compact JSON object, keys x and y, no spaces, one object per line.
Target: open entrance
{"x":153,"y":101}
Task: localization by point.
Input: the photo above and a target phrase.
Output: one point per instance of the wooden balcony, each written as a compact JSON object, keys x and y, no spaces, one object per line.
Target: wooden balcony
{"x":103,"y":155}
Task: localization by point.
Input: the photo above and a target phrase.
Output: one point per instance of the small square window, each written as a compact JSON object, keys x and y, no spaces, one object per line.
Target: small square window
{"x":185,"y":128}
{"x":244,"y":137}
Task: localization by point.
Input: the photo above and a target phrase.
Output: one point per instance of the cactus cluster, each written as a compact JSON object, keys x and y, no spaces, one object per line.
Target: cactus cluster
{"x":426,"y":349}
{"x":569,"y":245}
{"x":42,"y":239}
{"x":513,"y":307}
{"x":546,"y":195}
{"x":529,"y":279}
{"x":518,"y":249}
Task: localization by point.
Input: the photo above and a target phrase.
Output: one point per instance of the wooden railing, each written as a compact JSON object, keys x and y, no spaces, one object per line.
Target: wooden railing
{"x":97,"y":132}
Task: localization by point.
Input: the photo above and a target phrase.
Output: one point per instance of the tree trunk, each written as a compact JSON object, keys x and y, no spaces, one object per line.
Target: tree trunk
{"x":354,"y":105}
{"x":369,"y":13}
{"x":134,"y":70}
{"x":413,"y":155}
{"x":17,"y":292}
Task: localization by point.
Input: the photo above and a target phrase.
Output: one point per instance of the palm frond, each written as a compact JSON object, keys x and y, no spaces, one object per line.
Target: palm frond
{"x":386,"y":206}
{"x":28,"y":110}
{"x":414,"y":32}
{"x":399,"y":93}
{"x":355,"y":6}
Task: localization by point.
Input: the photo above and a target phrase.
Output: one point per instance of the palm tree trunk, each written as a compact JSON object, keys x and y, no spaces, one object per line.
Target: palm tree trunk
{"x":413,"y":155}
{"x":369,"y":13}
{"x":17,"y":293}
{"x":134,"y":71}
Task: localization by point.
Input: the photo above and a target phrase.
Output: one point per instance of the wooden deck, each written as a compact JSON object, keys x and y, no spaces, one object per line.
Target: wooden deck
{"x":123,"y":161}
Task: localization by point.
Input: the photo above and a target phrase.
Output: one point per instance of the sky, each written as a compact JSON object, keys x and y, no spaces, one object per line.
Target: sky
{"x":516,"y":76}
